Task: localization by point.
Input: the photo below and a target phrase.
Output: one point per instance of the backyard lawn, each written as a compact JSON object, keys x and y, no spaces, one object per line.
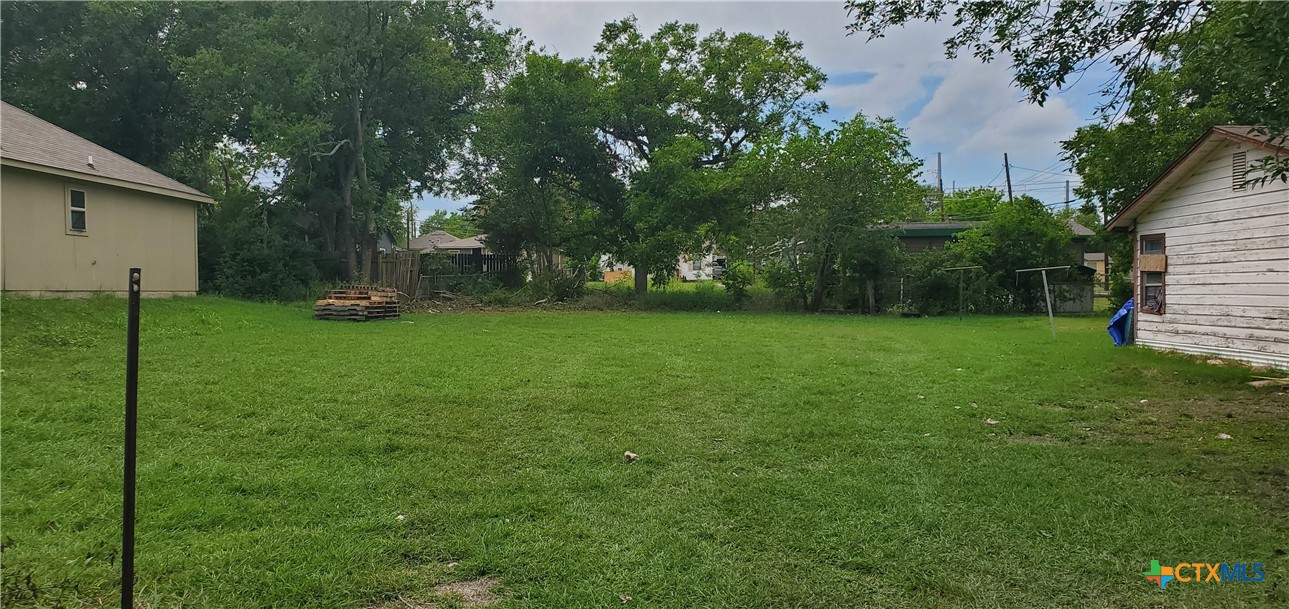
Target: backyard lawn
{"x":785,"y":461}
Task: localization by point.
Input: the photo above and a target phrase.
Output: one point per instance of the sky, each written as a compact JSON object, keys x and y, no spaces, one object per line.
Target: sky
{"x":964,"y":109}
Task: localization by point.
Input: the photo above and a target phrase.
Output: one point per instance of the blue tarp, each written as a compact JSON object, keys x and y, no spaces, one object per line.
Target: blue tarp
{"x":1120,"y":327}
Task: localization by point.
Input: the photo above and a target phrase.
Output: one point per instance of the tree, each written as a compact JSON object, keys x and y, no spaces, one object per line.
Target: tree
{"x":1046,"y":41}
{"x":972,"y":204}
{"x":1020,"y":234}
{"x":457,"y":223}
{"x":821,"y":195}
{"x":103,"y":70}
{"x":364,"y":102}
{"x":678,"y":113}
{"x":634,"y":152}
{"x":1235,"y":47}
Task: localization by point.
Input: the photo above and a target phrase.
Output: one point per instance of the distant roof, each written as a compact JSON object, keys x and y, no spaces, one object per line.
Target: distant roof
{"x":1179,"y":170}
{"x":431,"y":240}
{"x":1093,"y":256}
{"x":1079,"y":229}
{"x":465,"y":243}
{"x":934,"y":229}
{"x":31,"y":143}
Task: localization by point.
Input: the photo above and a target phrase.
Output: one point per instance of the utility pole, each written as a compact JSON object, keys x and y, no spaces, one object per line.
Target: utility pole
{"x":939,"y":184}
{"x":1008,"y":169}
{"x":1067,"y":196}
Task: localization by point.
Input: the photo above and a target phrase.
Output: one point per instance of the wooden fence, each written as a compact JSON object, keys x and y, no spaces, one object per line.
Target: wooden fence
{"x":400,"y":270}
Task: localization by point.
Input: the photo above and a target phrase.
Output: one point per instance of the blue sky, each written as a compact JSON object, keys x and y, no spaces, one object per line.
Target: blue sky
{"x":965,"y":109}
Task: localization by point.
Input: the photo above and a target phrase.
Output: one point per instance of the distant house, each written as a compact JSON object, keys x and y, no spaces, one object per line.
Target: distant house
{"x":1097,"y":262}
{"x":430,"y":241}
{"x":476,"y":244}
{"x":700,"y":268}
{"x":75,"y":216}
{"x":1211,"y":252}
{"x":923,"y":236}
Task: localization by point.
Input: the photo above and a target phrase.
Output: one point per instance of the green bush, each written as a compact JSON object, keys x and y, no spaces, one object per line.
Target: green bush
{"x":737,"y":278}
{"x":248,"y":249}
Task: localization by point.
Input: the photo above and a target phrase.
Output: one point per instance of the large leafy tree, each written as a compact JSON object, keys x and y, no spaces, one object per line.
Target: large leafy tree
{"x":364,"y":103}
{"x":678,"y":113}
{"x":634,"y":151}
{"x":103,"y":70}
{"x":822,"y":193}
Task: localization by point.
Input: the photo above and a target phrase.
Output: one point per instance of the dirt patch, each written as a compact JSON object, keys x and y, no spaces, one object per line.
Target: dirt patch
{"x":473,"y":593}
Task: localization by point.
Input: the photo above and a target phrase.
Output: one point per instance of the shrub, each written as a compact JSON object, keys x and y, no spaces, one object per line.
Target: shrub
{"x":738,"y":276}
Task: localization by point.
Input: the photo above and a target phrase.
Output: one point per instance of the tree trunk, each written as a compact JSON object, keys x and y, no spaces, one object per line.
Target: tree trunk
{"x":642,"y":280}
{"x":872,"y":296}
{"x":347,"y":244}
{"x":368,"y":247}
{"x":817,"y":296}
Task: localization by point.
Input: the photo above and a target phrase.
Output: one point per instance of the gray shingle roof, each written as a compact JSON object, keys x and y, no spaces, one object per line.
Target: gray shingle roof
{"x":28,"y":139}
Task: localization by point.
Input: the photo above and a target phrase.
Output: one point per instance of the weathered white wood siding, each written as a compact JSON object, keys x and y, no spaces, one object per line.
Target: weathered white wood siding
{"x":1227,"y":285}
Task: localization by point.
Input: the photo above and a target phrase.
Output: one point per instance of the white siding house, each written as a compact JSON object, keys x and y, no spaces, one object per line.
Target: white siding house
{"x":1211,"y":253}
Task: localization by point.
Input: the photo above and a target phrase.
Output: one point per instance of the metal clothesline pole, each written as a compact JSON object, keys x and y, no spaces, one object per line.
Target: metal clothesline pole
{"x":961,"y":273}
{"x":1047,"y":294}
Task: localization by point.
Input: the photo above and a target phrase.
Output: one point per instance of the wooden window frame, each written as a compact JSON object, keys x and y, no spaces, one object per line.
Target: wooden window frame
{"x":1163,"y":293}
{"x":1163,"y":244}
{"x":68,"y":189}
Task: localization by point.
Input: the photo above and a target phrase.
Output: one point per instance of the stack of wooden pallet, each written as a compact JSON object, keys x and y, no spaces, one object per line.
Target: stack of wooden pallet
{"x":357,"y":303}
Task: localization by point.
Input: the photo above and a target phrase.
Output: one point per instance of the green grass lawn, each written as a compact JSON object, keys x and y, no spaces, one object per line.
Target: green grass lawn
{"x":785,"y":461}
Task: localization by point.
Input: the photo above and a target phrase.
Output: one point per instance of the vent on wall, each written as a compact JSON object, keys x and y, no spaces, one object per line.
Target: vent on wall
{"x":1239,"y":164}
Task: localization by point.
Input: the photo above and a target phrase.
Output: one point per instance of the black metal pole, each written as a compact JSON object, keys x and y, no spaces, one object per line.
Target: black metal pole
{"x":131,"y":438}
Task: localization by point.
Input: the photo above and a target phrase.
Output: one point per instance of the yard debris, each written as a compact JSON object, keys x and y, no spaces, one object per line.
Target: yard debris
{"x":1215,"y":362}
{"x":958,"y":369}
{"x":925,"y":435}
{"x":357,"y":303}
{"x":630,"y":456}
{"x":1223,"y":436}
{"x":921,"y":397}
{"x":974,"y":405}
{"x":957,"y":408}
{"x":1267,"y":381}
{"x":400,"y":518}
{"x":1144,"y":402}
{"x":625,"y":598}
{"x":990,"y":422}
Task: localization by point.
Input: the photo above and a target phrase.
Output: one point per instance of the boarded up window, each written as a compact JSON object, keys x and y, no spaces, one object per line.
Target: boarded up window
{"x":1239,"y":170}
{"x":1152,"y":265}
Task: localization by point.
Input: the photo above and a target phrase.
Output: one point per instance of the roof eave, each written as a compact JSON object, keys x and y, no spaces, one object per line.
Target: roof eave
{"x":1124,"y":221}
{"x":89,"y":177}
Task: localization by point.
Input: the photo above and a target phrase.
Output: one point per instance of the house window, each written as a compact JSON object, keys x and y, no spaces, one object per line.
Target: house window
{"x":1152,"y":292}
{"x":696,"y":265}
{"x":1152,"y":244}
{"x":75,"y":212}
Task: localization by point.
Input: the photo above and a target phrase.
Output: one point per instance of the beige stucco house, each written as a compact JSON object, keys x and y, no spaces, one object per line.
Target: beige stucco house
{"x":74,"y":216}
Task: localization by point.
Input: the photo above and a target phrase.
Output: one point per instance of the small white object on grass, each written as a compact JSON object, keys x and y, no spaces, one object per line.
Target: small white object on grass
{"x":630,"y":456}
{"x":1223,"y":436}
{"x":400,"y":518}
{"x":1144,"y":402}
{"x":990,"y":422}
